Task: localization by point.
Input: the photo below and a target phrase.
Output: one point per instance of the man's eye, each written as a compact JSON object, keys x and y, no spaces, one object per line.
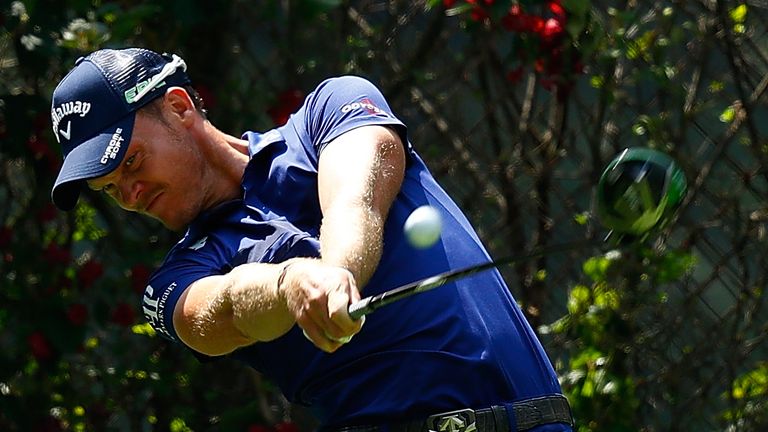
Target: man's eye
{"x":130,"y":160}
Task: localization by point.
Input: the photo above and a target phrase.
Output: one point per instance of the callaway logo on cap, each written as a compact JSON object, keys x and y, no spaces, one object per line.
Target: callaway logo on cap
{"x":94,"y":108}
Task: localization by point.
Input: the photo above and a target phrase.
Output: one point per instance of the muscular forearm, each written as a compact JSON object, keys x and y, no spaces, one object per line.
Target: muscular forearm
{"x":360,"y":174}
{"x":261,"y":302}
{"x":259,"y":311}
{"x":219,"y":314}
{"x":351,"y":237}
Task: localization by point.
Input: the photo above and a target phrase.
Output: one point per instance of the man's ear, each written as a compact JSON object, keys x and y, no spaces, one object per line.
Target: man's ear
{"x":180,"y":104}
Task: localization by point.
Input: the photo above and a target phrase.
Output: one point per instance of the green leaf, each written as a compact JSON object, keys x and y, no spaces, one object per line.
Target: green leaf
{"x":728,"y":115}
{"x":578,"y":8}
{"x":178,"y":425}
{"x":716,"y":86}
{"x":328,"y":4}
{"x":739,"y":13}
{"x":579,"y":299}
{"x":458,"y":10}
{"x":144,"y":329}
{"x":596,"y":267}
{"x":753,"y":384}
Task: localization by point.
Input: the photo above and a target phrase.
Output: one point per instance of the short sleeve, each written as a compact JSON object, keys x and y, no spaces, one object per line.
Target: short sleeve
{"x":168,"y":283}
{"x":345,"y":103}
{"x":217,"y":254}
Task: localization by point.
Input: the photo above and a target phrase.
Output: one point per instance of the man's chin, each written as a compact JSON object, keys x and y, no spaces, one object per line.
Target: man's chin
{"x":176,"y":224}
{"x":173,"y":225}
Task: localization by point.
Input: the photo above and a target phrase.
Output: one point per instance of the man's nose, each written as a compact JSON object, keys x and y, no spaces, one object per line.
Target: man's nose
{"x":131,"y":192}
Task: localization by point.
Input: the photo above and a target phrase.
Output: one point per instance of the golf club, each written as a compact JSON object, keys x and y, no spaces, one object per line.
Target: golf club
{"x":640,"y":190}
{"x":370,"y":304}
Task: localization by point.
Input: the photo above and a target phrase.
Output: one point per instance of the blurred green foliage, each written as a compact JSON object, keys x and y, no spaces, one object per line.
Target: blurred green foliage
{"x":603,"y":324}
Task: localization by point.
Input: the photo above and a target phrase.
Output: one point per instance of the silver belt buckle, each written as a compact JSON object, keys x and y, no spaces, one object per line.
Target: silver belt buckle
{"x":453,"y":421}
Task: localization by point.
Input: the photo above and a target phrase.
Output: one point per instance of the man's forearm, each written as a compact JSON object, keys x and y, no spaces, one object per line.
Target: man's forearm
{"x":259,"y":311}
{"x":221,"y":313}
{"x":351,"y":237}
{"x":359,"y":176}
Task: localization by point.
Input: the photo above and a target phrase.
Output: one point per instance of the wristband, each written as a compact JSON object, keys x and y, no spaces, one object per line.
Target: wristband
{"x":281,"y":277}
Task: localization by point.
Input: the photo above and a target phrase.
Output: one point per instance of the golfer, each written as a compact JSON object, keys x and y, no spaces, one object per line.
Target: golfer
{"x":284,"y":229}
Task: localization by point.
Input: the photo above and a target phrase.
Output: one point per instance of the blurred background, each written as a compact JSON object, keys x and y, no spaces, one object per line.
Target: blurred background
{"x":517,"y":106}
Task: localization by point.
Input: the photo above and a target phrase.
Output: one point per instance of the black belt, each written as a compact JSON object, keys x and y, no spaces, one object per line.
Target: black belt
{"x":528,"y":413}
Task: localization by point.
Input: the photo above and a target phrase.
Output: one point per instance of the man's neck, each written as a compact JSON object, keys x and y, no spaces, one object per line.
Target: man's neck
{"x":227,"y":157}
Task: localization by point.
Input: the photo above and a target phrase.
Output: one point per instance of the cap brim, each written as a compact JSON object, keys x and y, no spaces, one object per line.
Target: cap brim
{"x":94,"y":158}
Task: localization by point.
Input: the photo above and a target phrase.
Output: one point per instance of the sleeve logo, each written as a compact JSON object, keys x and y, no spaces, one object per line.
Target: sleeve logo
{"x":365,"y":104}
{"x":154,"y":308}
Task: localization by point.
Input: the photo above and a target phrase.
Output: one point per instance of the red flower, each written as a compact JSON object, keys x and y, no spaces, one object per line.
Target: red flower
{"x":47,"y":213}
{"x":139,"y":278}
{"x":123,"y":315}
{"x":6,"y":235}
{"x":54,"y":163}
{"x":449,"y":3}
{"x":553,"y":64}
{"x":551,"y":31}
{"x":41,"y":122}
{"x":515,"y":75}
{"x":41,"y":150}
{"x":518,"y":21}
{"x":557,"y":9}
{"x":535,"y":23}
{"x":48,"y":424}
{"x":39,"y":346}
{"x":208,"y":97}
{"x":286,"y":427}
{"x":77,"y":314}
{"x":548,"y":84}
{"x":478,"y":14}
{"x":89,"y":272}
{"x":39,"y":147}
{"x":56,"y":254}
{"x":287,"y":103}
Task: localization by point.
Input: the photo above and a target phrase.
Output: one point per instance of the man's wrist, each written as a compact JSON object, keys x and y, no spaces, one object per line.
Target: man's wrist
{"x":281,"y":276}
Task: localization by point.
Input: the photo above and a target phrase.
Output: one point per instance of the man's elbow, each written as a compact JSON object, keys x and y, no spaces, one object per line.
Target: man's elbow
{"x":212,"y":338}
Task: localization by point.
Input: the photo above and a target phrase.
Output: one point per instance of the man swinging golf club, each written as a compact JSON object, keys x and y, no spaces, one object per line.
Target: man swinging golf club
{"x":284,"y":229}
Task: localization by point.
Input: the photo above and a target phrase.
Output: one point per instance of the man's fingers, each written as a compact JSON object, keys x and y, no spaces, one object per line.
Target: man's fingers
{"x":338,"y":309}
{"x":319,"y":301}
{"x":323,"y":320}
{"x":320,"y":340}
{"x":328,"y":330}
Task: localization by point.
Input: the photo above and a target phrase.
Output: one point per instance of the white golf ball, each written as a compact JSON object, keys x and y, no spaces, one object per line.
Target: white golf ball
{"x":423,"y":226}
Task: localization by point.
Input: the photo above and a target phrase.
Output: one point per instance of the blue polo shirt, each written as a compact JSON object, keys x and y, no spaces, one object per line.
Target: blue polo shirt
{"x":466,"y":344}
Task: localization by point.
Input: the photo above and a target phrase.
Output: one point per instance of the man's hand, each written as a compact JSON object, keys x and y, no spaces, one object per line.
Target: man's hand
{"x":318,"y":296}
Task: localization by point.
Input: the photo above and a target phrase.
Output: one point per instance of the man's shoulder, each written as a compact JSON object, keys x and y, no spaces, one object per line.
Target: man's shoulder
{"x":344,"y":84}
{"x":237,"y":233}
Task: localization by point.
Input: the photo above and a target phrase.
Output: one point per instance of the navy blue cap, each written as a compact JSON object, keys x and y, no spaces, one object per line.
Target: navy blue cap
{"x":94,"y":108}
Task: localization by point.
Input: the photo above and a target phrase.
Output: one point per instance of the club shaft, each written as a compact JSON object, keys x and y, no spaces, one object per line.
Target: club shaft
{"x":370,"y":304}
